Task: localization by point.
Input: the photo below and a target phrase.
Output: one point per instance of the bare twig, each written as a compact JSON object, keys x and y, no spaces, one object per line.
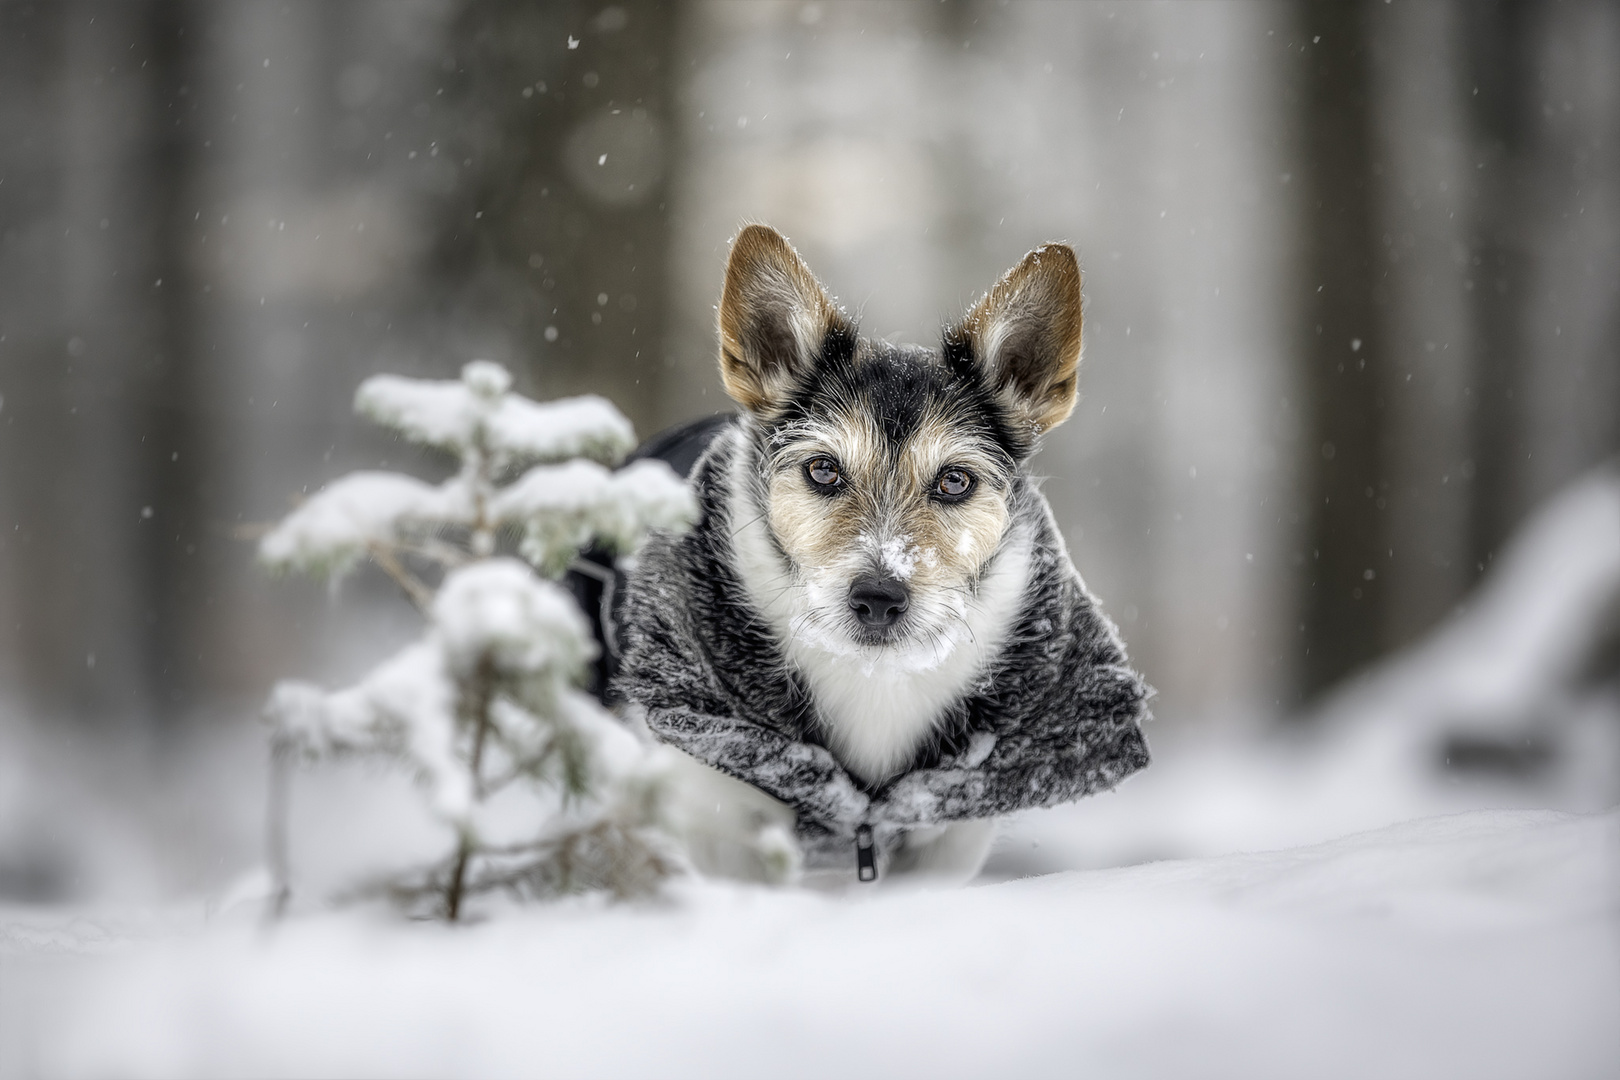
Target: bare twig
{"x":383,"y":556}
{"x":282,"y":753}
{"x":483,"y":690}
{"x":437,"y":550}
{"x":610,"y":581}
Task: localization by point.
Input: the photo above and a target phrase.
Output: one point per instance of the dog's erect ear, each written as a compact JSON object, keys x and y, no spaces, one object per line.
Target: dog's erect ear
{"x":1025,"y":334}
{"x":774,"y":319}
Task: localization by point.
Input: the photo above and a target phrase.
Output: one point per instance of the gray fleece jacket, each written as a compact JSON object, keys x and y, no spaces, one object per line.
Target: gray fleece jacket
{"x":1055,"y":716}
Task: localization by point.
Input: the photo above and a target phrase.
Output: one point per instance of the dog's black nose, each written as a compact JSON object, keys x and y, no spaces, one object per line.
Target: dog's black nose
{"x":878,"y":602}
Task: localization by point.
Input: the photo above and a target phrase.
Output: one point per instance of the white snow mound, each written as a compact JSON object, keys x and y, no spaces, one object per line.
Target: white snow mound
{"x":1475,"y":946}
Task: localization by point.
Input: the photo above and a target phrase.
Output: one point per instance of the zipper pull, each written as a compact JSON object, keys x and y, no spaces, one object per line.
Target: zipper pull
{"x":865,"y":857}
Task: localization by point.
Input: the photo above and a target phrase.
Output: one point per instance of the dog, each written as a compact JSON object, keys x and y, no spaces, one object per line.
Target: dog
{"x":874,"y":635}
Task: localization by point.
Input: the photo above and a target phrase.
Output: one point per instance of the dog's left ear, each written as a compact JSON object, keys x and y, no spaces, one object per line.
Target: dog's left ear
{"x":1025,"y":336}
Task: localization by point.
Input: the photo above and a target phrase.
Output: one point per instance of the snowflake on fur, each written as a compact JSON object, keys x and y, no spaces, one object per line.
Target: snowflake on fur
{"x":486,"y":706}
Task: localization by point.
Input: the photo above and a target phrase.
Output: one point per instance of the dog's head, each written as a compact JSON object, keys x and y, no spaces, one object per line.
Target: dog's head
{"x":886,"y":471}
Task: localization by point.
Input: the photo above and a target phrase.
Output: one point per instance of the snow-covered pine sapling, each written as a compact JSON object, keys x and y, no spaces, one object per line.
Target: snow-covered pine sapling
{"x":544,"y":790}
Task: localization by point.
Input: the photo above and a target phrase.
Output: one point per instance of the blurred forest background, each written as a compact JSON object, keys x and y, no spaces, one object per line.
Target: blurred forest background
{"x":1353,"y":290}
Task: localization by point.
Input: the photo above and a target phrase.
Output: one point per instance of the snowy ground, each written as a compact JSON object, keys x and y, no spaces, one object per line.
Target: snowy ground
{"x":1477,"y":945}
{"x":1340,"y":903}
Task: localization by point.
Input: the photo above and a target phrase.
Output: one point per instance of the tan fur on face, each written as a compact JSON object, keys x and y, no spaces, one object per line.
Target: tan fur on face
{"x":774,"y":316}
{"x":884,"y":521}
{"x":1026,"y":333}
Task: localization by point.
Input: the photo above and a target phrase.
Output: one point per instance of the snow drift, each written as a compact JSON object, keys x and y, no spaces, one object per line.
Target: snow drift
{"x":1474,"y":946}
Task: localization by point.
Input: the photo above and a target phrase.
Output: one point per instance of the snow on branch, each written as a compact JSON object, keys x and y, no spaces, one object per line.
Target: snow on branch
{"x":587,"y":426}
{"x":478,"y":413}
{"x":497,"y":612}
{"x":344,"y":519}
{"x":563,"y":508}
{"x":405,"y":707}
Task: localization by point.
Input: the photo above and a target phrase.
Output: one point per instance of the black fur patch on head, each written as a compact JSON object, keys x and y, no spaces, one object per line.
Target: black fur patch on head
{"x":900,"y":384}
{"x":838,"y":346}
{"x":958,"y":353}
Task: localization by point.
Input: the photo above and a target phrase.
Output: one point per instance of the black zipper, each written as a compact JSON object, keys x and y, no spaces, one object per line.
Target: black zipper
{"x":865,"y":857}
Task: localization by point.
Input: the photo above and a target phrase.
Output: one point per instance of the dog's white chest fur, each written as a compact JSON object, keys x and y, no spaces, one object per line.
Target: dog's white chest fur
{"x":876,"y":705}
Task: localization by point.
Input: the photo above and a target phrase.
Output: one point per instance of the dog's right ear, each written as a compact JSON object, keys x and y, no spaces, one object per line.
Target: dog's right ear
{"x":775,"y":319}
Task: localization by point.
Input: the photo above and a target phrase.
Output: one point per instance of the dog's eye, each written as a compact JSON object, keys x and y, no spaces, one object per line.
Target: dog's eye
{"x":824,"y":473}
{"x":953,"y":484}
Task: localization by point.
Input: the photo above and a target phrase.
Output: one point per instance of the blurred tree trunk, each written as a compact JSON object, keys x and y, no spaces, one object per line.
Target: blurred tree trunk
{"x":93,"y":355}
{"x":1499,"y":40}
{"x":1344,"y":355}
{"x":171,"y":456}
{"x":1425,"y":211}
{"x":1544,"y":274}
{"x":552,"y":254}
{"x":1471,"y":246}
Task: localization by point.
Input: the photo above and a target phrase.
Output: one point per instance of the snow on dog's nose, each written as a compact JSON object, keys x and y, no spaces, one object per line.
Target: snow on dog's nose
{"x":878,"y":602}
